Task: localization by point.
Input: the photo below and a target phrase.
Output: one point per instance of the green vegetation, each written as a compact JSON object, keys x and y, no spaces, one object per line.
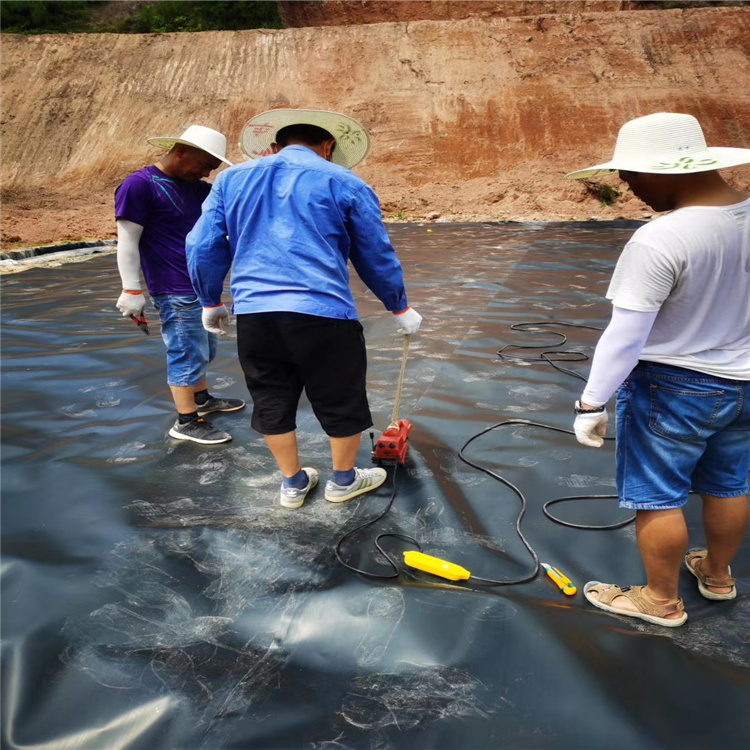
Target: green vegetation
{"x":605,"y":194}
{"x":39,"y":17}
{"x":214,"y":15}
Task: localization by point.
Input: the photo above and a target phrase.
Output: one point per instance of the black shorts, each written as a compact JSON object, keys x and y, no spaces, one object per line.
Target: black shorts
{"x":282,"y":353}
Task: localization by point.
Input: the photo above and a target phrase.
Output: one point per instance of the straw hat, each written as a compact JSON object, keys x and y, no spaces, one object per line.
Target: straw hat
{"x":352,"y":140}
{"x":665,"y":143}
{"x":211,"y":141}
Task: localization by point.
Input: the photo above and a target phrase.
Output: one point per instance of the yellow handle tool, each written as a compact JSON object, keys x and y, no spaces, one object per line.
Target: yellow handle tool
{"x":436,"y":566}
{"x":563,"y":582}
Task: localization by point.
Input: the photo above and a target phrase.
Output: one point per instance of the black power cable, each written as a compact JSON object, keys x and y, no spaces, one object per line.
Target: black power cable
{"x":337,"y":549}
{"x":571,"y":355}
{"x":524,"y":502}
{"x":544,"y":356}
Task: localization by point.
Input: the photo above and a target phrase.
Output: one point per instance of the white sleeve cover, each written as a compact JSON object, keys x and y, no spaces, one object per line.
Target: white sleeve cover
{"x":128,"y":255}
{"x":617,"y":353}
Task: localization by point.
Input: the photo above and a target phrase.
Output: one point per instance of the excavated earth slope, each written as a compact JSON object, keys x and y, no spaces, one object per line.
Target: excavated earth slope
{"x":350,"y":12}
{"x":475,"y":119}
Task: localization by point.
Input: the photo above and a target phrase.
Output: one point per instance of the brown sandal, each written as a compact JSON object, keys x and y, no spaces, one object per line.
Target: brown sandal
{"x":646,"y":609}
{"x":694,"y":563}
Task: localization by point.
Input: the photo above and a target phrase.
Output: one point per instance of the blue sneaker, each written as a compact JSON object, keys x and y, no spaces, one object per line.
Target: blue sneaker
{"x":291,"y":497}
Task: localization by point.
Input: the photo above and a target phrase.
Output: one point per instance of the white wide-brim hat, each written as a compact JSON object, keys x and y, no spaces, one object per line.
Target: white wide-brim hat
{"x":352,"y":140}
{"x":211,"y":141}
{"x":665,"y":143}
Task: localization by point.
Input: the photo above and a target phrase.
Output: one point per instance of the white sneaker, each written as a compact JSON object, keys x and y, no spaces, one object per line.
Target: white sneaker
{"x":291,"y":497}
{"x":365,"y":480}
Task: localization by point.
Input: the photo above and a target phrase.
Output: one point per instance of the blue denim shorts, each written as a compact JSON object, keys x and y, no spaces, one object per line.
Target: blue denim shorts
{"x":190,"y":347}
{"x":678,"y":430}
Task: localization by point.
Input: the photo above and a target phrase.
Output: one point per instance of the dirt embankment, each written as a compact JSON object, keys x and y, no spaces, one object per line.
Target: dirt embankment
{"x":296,"y":13}
{"x":473,"y":120}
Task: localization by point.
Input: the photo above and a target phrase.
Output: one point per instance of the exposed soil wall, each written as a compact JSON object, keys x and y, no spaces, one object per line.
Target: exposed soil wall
{"x":296,"y":13}
{"x":475,"y":119}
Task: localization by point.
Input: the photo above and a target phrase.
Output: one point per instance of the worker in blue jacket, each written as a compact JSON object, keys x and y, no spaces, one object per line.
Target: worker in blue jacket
{"x":287,"y":222}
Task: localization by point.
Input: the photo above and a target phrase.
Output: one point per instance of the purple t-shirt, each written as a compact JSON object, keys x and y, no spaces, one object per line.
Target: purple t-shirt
{"x":167,"y":209}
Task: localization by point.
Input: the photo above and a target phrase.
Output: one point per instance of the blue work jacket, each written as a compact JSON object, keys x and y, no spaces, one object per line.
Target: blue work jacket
{"x":287,"y":225}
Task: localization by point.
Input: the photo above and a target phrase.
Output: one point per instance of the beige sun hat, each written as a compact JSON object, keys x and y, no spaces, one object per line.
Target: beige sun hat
{"x":211,"y":141}
{"x":665,"y":143}
{"x":352,"y":140}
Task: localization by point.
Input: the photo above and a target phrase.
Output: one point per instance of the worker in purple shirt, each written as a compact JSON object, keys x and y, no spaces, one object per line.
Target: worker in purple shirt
{"x":287,"y":223}
{"x":155,"y":208}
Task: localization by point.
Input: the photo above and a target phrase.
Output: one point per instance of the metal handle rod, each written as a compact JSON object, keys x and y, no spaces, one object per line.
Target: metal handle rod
{"x":399,"y":387}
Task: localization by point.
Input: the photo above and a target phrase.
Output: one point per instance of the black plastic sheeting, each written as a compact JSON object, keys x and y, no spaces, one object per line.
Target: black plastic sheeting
{"x":155,"y":594}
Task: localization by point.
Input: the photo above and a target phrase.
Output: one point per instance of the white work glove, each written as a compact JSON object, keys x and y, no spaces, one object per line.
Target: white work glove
{"x":590,"y":427}
{"x":214,"y":317}
{"x":408,"y":320}
{"x":131,"y":303}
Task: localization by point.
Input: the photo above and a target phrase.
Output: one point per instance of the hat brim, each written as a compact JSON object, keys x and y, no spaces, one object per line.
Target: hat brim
{"x":352,"y":140}
{"x":167,"y":142}
{"x":706,"y":160}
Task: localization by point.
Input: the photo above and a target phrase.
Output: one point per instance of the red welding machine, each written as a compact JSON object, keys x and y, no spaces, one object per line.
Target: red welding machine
{"x":392,"y":445}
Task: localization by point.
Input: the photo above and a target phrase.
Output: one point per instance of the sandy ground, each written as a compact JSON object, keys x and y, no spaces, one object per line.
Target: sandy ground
{"x":42,"y":215}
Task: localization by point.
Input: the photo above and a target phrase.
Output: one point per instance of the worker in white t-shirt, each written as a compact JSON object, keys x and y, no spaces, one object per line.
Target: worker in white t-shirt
{"x":678,"y":349}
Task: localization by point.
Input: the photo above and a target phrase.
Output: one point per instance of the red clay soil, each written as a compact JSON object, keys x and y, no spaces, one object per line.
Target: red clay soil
{"x":472,"y":120}
{"x":296,"y":13}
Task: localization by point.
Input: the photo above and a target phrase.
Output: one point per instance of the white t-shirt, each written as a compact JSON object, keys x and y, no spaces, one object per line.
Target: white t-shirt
{"x":693,"y":267}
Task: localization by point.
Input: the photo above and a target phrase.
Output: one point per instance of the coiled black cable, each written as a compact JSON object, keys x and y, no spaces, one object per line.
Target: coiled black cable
{"x":571,"y":355}
{"x":544,"y":356}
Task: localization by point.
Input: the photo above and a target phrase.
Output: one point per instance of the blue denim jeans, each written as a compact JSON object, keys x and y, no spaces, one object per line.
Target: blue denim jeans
{"x":190,"y":347}
{"x":678,"y":430}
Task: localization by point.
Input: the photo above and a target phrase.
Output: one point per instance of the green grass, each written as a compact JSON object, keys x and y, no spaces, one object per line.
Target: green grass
{"x":76,"y":16}
{"x":605,"y":194}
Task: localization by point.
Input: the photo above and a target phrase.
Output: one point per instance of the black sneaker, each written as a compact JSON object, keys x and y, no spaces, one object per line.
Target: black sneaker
{"x":199,"y":431}
{"x":220,"y":404}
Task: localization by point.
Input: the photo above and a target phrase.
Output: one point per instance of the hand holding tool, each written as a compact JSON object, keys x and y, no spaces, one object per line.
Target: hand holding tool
{"x":408,"y":320}
{"x":214,"y":317}
{"x":590,"y":425}
{"x":141,"y":323}
{"x":131,"y":303}
{"x":563,"y":582}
